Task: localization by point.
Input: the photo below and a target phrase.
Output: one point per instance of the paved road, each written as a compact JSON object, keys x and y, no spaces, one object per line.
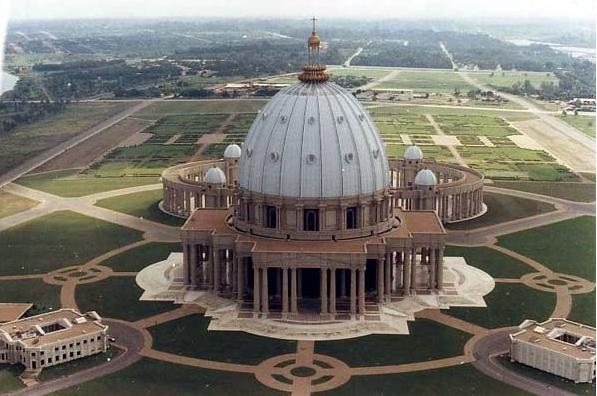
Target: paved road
{"x":498,"y":343}
{"x":126,"y":336}
{"x":357,"y":53}
{"x":55,"y":151}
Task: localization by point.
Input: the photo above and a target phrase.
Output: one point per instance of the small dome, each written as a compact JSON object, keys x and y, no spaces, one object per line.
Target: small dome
{"x":233,"y":151}
{"x":425,"y":177}
{"x":215,"y":176}
{"x":413,"y":153}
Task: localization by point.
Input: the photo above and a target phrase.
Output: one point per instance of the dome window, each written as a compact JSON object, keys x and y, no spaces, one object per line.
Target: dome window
{"x":348,"y":157}
{"x":249,"y":151}
{"x":264,"y":115}
{"x":311,"y":120}
{"x":361,"y":117}
{"x":376,"y":153}
{"x":311,"y":158}
{"x":283,"y":119}
{"x":274,"y":156}
{"x":340,"y":119}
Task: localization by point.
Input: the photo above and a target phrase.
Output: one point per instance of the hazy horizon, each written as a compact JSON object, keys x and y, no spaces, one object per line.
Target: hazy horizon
{"x":23,"y":10}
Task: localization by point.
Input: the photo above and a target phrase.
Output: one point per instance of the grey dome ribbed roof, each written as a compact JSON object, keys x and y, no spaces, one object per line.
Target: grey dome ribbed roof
{"x":215,"y":176}
{"x":313,"y":140}
{"x":232,"y":151}
{"x":413,"y":153}
{"x":425,"y":177}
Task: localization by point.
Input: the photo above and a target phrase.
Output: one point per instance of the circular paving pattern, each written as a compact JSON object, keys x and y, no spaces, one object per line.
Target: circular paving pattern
{"x":550,"y":281}
{"x":315,"y":373}
{"x":78,"y":274}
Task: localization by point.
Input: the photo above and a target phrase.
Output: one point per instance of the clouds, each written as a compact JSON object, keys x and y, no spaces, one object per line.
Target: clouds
{"x":34,"y":9}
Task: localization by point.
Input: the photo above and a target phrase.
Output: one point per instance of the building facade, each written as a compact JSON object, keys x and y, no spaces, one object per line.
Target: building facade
{"x":557,"y":346}
{"x":309,"y":219}
{"x":52,"y":338}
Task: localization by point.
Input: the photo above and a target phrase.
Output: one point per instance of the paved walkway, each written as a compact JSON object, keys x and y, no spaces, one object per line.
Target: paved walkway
{"x":450,"y":147}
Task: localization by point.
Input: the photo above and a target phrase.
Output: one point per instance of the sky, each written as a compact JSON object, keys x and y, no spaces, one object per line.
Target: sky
{"x":375,"y":9}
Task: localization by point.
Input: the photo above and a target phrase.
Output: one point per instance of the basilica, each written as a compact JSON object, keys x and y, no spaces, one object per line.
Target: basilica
{"x":308,"y":220}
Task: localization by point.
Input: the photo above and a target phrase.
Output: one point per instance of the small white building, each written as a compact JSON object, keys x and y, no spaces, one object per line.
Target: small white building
{"x":52,"y":338}
{"x":557,"y":346}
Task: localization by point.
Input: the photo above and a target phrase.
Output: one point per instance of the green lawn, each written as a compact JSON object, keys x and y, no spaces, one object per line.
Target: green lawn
{"x":74,"y":366}
{"x":580,"y":192}
{"x":456,"y":380}
{"x":507,"y":78}
{"x":160,"y":109}
{"x":583,"y":308}
{"x":142,"y":204}
{"x":584,"y":124}
{"x":477,"y":125}
{"x":43,"y":296}
{"x":58,"y":240}
{"x":450,"y":111}
{"x":438,"y":153}
{"x":375,"y":74}
{"x":118,"y":297}
{"x":150,"y":377}
{"x":28,"y":140}
{"x":547,"y":378}
{"x":508,"y":305}
{"x":381,"y":350}
{"x":502,"y":208}
{"x":428,"y":81}
{"x":9,"y":377}
{"x":12,"y":204}
{"x":567,"y":246}
{"x":491,"y":261}
{"x":188,"y":336}
{"x":136,"y":259}
{"x":70,"y":183}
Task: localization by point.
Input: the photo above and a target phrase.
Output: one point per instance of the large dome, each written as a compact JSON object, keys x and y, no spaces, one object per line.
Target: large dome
{"x":313,"y":140}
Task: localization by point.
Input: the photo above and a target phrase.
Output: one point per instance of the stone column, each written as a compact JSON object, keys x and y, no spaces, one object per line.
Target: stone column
{"x":323,"y":290}
{"x":407,"y":270}
{"x":285,"y":290}
{"x":413,"y":270}
{"x":193,"y":264}
{"x":380,"y":279}
{"x":210,"y":265}
{"x":264,"y":292}
{"x":256,"y":286}
{"x":217,"y":281}
{"x":343,"y":282}
{"x":353,"y":291}
{"x":432,"y":270}
{"x":234,"y":272}
{"x":440,"y":268}
{"x":388,"y":273}
{"x":293,"y":291}
{"x":240,"y":272}
{"x":362,"y":290}
{"x":333,"y":290}
{"x":187,"y":262}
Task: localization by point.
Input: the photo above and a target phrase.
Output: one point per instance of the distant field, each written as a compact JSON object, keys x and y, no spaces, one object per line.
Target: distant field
{"x":584,"y":124}
{"x":402,"y":110}
{"x":160,"y":109}
{"x":70,"y":183}
{"x":428,"y":81}
{"x":507,"y":78}
{"x":11,"y":204}
{"x":581,"y":192}
{"x":26,"y":141}
{"x":375,"y":74}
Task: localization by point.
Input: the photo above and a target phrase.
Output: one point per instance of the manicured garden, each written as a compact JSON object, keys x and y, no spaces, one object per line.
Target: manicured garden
{"x":189,"y":336}
{"x":11,"y":204}
{"x":456,"y":380}
{"x":71,"y":183}
{"x":118,"y":297}
{"x":58,"y":240}
{"x":136,"y":259}
{"x":43,"y":296}
{"x":427,"y":340}
{"x":567,"y":246}
{"x":496,"y":264}
{"x":502,"y":208}
{"x":508,"y":305}
{"x":581,"y":192}
{"x":141,"y":204}
{"x":156,"y":378}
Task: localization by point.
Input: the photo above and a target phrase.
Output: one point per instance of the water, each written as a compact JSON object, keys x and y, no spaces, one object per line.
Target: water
{"x":7,"y":82}
{"x":576,"y":52}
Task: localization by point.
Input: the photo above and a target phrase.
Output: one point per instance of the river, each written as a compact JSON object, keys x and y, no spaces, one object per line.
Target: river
{"x":7,"y":82}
